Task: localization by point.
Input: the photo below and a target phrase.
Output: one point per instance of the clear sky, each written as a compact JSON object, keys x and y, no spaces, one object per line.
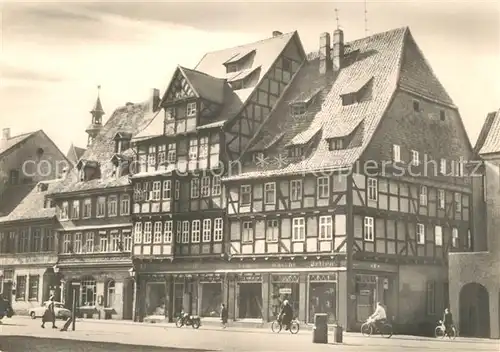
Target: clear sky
{"x":53,"y":55}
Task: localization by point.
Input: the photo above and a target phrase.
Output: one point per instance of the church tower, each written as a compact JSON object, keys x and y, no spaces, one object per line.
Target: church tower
{"x":96,"y":124}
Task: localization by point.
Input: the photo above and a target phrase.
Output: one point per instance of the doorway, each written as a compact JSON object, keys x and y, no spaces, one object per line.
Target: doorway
{"x":128,"y":299}
{"x":250,"y":301}
{"x":474,"y":311}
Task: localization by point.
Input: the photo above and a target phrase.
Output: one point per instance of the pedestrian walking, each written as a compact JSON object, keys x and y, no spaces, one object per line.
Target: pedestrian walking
{"x":50,"y":314}
{"x":223,"y":315}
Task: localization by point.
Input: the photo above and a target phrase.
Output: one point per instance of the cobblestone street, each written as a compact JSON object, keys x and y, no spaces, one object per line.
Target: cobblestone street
{"x":21,"y":334}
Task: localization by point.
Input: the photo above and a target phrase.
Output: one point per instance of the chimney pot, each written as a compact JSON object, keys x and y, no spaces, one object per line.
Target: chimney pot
{"x":129,"y":106}
{"x":277,"y":33}
{"x":154,"y":100}
{"x":6,"y":133}
{"x":325,"y":55}
{"x":338,"y":49}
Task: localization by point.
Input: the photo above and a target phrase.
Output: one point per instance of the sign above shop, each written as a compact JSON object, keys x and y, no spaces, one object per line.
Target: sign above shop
{"x":307,"y":264}
{"x":285,"y":291}
{"x":358,"y":265}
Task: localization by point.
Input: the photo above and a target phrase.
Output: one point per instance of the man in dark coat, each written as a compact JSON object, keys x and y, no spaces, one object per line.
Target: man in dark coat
{"x":223,"y":315}
{"x":50,"y":314}
{"x":447,"y":321}
{"x":286,"y":314}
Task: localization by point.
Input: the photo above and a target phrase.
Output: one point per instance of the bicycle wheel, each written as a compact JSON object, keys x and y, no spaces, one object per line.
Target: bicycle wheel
{"x":439,"y":332}
{"x":294,"y":327}
{"x":386,"y":331}
{"x":276,"y":326}
{"x":453,"y":333}
{"x":366,"y":329}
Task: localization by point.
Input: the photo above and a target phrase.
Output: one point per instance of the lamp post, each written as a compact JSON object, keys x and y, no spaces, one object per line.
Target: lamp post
{"x":133,"y":274}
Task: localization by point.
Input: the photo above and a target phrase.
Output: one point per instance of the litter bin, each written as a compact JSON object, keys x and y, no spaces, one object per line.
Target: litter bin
{"x":320,"y":329}
{"x":337,"y":333}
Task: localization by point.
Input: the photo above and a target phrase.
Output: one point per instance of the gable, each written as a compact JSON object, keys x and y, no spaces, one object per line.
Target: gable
{"x":178,"y":89}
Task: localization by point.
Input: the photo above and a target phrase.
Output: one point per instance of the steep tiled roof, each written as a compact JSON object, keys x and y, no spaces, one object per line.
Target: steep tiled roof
{"x":206,"y":86}
{"x":378,"y":56}
{"x":32,"y":205}
{"x":124,"y":119}
{"x":12,"y":196}
{"x":13,"y":141}
{"x":74,"y":154}
{"x":489,"y":139}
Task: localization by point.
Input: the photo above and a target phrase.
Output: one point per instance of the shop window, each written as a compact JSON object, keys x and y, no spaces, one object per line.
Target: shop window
{"x":366,"y":291}
{"x":322,"y":296}
{"x":250,"y":300}
{"x":211,"y":298}
{"x":284,"y":287}
{"x":21,"y":288}
{"x":88,"y":293}
{"x":111,"y":294}
{"x":178,"y":294}
{"x":156,"y":299}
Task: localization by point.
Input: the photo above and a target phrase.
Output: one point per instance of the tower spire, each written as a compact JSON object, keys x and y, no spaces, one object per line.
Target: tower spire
{"x":337,"y":17}
{"x":96,"y":123}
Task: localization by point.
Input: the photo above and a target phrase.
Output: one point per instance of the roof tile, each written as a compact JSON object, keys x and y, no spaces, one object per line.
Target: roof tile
{"x":490,"y":135}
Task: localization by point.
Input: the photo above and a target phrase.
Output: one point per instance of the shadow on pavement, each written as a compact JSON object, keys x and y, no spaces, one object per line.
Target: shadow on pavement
{"x":30,"y":343}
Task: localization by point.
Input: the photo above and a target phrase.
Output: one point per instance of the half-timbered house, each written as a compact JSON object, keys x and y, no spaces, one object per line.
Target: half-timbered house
{"x":93,"y":208}
{"x":352,"y":191}
{"x":209,"y":115}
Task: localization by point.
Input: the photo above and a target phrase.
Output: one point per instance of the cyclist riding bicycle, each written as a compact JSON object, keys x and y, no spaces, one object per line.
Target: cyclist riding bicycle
{"x":286,"y":314}
{"x":379,"y":316}
{"x":447,"y":321}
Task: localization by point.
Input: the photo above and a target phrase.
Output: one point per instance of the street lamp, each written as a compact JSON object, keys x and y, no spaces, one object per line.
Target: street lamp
{"x":55,"y":268}
{"x":133,"y":274}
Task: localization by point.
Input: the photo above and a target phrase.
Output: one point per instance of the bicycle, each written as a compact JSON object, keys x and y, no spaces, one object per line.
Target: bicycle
{"x":440,"y":331}
{"x":277,"y":326}
{"x":368,"y":327}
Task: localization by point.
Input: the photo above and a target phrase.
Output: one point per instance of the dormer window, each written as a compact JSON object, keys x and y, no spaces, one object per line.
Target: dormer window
{"x":295,"y":151}
{"x":442,"y":115}
{"x":87,"y":170}
{"x":232,"y":68}
{"x":42,"y":187}
{"x":355,"y":91}
{"x":122,"y":141}
{"x":337,"y":144}
{"x":191,"y":109}
{"x":236,"y":85}
{"x":298,"y":109}
{"x":239,"y":61}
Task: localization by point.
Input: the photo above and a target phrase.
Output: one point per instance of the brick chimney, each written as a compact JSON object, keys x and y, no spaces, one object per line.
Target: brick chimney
{"x":154,"y":100}
{"x":277,"y":33}
{"x":5,"y":134}
{"x":338,"y":49}
{"x":325,"y":55}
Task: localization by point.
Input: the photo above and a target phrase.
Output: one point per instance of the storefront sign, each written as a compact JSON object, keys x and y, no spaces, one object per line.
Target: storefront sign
{"x":364,"y":292}
{"x":375,"y":266}
{"x":285,"y":291}
{"x":307,"y":264}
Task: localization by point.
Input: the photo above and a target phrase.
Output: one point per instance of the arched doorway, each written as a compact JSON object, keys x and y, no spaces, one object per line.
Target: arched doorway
{"x":474,"y":311}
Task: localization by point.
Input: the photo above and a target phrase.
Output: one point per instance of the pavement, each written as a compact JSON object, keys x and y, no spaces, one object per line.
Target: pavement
{"x":20,"y":334}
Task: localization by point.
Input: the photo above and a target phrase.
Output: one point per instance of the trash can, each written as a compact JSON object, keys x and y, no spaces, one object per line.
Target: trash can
{"x":337,"y":333}
{"x":320,"y":329}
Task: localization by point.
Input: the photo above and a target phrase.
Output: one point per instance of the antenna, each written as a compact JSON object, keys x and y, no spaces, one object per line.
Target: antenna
{"x":98,"y":90}
{"x":337,"y":17}
{"x":366,"y":19}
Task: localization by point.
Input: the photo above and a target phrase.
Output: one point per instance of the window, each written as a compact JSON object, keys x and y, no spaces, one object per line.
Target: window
{"x":295,"y":151}
{"x":161,"y":154}
{"x":193,"y":149}
{"x":323,"y":187}
{"x":460,"y":168}
{"x":167,"y":231}
{"x":185,"y":232}
{"x":195,"y":188}
{"x":195,"y":231}
{"x":147,"y":232}
{"x":33,"y":287}
{"x":218,"y":230}
{"x":125,"y":204}
{"x":14,"y":177}
{"x":458,"y":202}
{"x":191,"y":109}
{"x":112,"y":205}
{"x":103,"y":242}
{"x":178,"y":231}
{"x":296,"y":190}
{"x":442,"y":166}
{"x":423,"y":195}
{"x":35,"y":240}
{"x":23,"y":241}
{"x":203,"y":147}
{"x":207,"y":226}
{"x":138,"y":232}
{"x":415,"y":158}
{"x":396,"y":153}
{"x":101,"y":207}
{"x":205,"y":186}
{"x":438,"y":236}
{"x":416,"y":106}
{"x":66,"y":248}
{"x":325,"y":227}
{"x":337,"y":144}
{"x":298,"y":109}
{"x":156,"y":190}
{"x":245,"y":195}
{"x":157,"y":234}
{"x":233,"y":67}
{"x":88,"y":293}
{"x":110,"y":295}
{"x":247,"y":235}
{"x":272,"y":231}
{"x":287,"y":65}
{"x":216,"y":186}
{"x":167,"y":189}
{"x":469,"y":240}
{"x":298,"y":230}
{"x":372,"y":189}
{"x":420,"y":233}
{"x":87,"y":208}
{"x":172,"y":153}
{"x":369,"y":230}
{"x":442,"y":115}
{"x":115,"y":241}
{"x":75,"y":209}
{"x":177,"y":189}
{"x":441,"y":199}
{"x":431,"y":298}
{"x":270,"y":193}
{"x":78,"y":243}
{"x":152,"y":157}
{"x":21,"y":288}
{"x":454,"y":237}
{"x":89,"y":242}
{"x":63,"y":212}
